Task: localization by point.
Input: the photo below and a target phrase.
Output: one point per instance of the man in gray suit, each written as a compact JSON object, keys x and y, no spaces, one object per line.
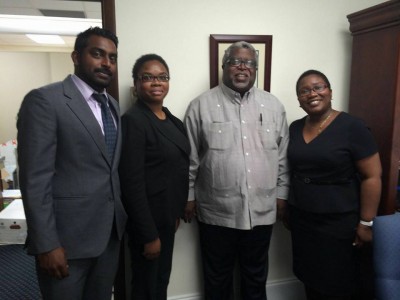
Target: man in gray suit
{"x":69,"y":175}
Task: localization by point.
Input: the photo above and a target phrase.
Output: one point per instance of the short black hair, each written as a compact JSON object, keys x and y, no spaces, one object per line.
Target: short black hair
{"x":82,"y":38}
{"x":312,"y":72}
{"x":145,"y":58}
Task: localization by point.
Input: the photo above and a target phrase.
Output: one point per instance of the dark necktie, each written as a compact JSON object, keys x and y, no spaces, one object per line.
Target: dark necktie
{"x":110,"y":132}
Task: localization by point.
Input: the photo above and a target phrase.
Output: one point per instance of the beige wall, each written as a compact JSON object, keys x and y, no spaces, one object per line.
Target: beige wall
{"x":21,"y":72}
{"x":306,"y":34}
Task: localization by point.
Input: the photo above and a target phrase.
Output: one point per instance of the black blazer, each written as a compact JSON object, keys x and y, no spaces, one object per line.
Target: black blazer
{"x":154,"y":187}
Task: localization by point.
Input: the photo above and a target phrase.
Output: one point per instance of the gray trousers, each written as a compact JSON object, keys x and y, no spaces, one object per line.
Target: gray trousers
{"x":89,"y":278}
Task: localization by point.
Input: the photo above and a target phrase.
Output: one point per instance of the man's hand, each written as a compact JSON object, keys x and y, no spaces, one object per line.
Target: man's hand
{"x":282,"y":213}
{"x":54,"y":263}
{"x":152,"y":250}
{"x":190,"y":211}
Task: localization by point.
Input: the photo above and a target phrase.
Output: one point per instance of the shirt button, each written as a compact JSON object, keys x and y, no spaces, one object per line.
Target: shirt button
{"x":243,"y":121}
{"x":245,"y":137}
{"x":248,"y":171}
{"x":219,"y":131}
{"x":249,"y":186}
{"x":247,"y":153}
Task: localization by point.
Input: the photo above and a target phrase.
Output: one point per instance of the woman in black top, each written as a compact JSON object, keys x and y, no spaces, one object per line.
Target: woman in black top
{"x":154,"y":171}
{"x":335,"y":191}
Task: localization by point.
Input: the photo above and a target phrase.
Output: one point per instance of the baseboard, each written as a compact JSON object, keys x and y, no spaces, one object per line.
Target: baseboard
{"x":288,"y":289}
{"x":186,"y":297}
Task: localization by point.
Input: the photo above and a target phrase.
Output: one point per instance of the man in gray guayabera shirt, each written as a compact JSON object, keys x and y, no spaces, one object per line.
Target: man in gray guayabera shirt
{"x":238,"y":175}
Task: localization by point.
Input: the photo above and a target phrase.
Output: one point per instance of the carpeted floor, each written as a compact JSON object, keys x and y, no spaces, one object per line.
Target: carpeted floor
{"x":17,"y":274}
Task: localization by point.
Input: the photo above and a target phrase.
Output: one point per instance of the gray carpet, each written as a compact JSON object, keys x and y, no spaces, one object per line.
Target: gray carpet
{"x":17,"y":274}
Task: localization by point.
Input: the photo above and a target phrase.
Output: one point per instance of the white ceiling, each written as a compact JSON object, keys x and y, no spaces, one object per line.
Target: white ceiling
{"x":12,"y":39}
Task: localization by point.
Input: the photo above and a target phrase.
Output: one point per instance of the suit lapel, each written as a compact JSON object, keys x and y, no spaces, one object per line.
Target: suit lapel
{"x":180,"y":140}
{"x":81,"y":109}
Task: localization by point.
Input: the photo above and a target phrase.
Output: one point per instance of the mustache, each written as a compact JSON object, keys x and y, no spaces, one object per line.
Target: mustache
{"x":103,"y":70}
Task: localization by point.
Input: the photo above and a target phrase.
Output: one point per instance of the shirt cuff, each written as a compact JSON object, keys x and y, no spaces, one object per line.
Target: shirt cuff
{"x":191,"y":195}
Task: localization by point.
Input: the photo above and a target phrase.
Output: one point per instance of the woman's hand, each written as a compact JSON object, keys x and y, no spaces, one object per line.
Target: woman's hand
{"x":363,"y":235}
{"x":152,"y":250}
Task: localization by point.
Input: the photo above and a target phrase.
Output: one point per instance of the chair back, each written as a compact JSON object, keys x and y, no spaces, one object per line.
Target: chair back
{"x":386,"y":256}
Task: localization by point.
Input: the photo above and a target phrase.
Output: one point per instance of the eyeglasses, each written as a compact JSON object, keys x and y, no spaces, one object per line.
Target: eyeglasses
{"x":235,"y":62}
{"x":316,"y":89}
{"x":151,"y":78}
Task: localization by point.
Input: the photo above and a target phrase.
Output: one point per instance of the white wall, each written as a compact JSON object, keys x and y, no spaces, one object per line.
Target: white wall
{"x":306,"y":34}
{"x":21,"y":72}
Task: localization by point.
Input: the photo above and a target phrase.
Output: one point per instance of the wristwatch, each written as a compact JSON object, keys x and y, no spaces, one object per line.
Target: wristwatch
{"x":367,"y":223}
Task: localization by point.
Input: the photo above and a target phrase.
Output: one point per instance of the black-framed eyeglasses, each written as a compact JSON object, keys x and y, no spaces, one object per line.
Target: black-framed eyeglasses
{"x":151,"y":78}
{"x":235,"y":62}
{"x":316,"y":89}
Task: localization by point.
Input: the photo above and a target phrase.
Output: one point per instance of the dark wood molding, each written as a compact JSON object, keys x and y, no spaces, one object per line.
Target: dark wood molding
{"x":108,"y":17}
{"x":109,"y":22}
{"x":375,"y":87}
{"x":375,"y":17}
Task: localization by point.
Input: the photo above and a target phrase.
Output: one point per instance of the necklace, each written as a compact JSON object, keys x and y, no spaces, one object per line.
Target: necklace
{"x":321,"y":126}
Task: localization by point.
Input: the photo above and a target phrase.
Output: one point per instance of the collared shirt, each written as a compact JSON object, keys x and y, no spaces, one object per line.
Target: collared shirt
{"x":238,"y":160}
{"x":87,"y":93}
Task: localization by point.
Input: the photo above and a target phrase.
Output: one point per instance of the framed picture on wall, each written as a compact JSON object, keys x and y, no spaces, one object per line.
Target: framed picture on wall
{"x":263,"y":45}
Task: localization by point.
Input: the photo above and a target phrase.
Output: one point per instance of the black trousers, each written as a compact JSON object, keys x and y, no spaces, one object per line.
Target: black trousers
{"x":221,"y":248}
{"x":150,"y":278}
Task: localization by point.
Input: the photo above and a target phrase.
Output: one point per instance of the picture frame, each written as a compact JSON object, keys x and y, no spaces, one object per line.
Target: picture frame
{"x":263,"y":45}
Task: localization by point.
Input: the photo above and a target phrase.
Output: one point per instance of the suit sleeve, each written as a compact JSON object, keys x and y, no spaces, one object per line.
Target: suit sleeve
{"x":133,"y":179}
{"x":37,"y":146}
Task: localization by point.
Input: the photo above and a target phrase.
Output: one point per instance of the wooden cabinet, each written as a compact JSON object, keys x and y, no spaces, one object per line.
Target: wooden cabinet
{"x":375,"y":86}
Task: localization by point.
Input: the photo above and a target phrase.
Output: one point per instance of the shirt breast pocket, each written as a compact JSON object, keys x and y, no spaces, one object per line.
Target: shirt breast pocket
{"x":267,"y":133}
{"x":220,"y":135}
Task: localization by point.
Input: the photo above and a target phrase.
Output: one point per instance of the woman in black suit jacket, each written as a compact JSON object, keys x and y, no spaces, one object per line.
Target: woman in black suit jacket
{"x":154,"y":171}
